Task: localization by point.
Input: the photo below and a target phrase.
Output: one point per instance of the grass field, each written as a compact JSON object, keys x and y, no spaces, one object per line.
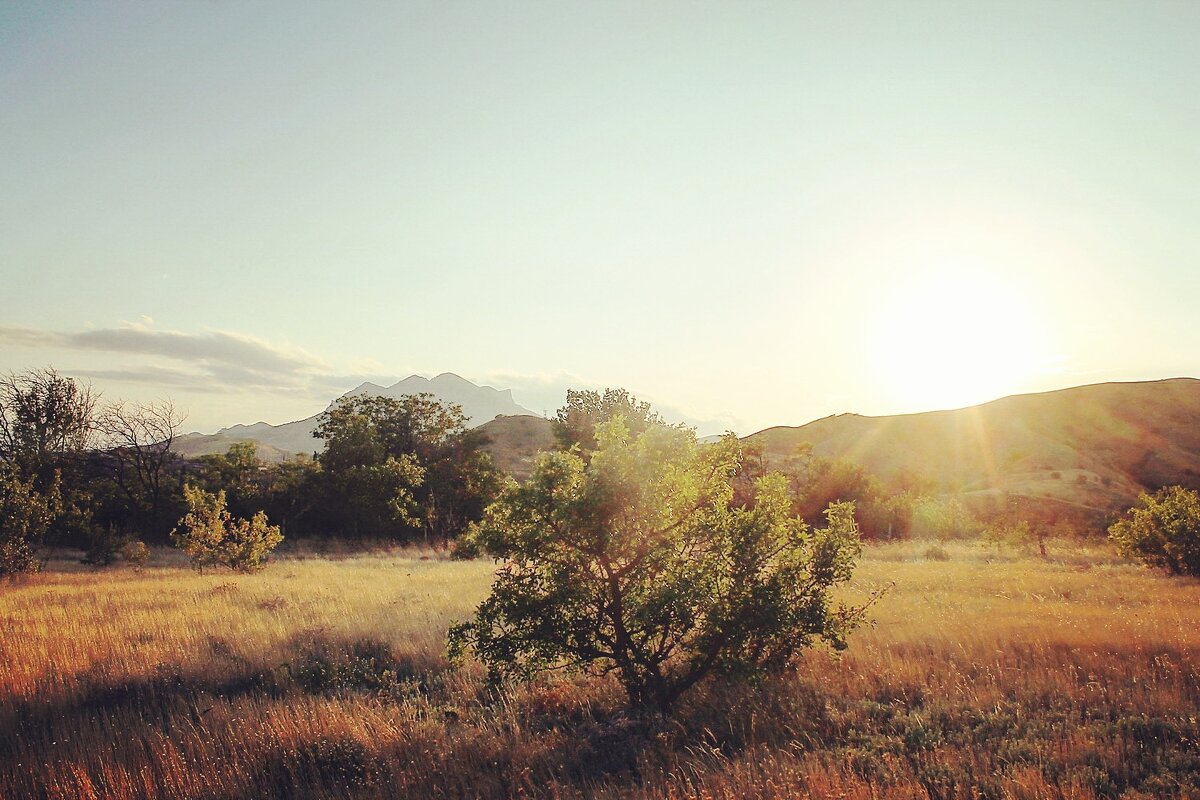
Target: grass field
{"x":988,"y":674}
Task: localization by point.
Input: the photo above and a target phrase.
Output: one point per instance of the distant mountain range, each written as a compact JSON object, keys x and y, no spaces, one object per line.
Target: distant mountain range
{"x":278,"y":442}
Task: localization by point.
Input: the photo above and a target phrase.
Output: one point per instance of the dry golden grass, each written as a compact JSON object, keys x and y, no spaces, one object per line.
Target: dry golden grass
{"x":990,"y":674}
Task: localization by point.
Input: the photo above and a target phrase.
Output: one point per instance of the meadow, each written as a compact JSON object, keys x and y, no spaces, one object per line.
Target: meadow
{"x":985,"y":673}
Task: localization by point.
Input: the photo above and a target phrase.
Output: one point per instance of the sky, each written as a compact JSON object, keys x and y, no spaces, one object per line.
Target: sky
{"x":750,"y":214}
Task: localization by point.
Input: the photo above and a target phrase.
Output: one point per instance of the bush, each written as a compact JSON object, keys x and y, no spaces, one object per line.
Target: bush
{"x":211,"y":536}
{"x":636,"y":563}
{"x":936,"y":553}
{"x":1163,"y":530}
{"x":135,"y":554}
{"x":104,"y":546}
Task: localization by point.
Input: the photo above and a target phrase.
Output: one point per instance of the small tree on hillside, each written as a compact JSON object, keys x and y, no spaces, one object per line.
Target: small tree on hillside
{"x":1163,"y":530}
{"x":635,"y":563}
{"x":211,"y":536}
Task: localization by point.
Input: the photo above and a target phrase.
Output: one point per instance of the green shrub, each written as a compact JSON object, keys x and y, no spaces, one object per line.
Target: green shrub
{"x":135,"y":554}
{"x":1163,"y":530}
{"x":211,"y":536}
{"x":936,"y":553}
{"x":634,"y":562}
{"x":104,"y":546}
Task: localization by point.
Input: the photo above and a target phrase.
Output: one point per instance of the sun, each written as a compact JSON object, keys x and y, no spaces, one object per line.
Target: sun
{"x":956,"y":337}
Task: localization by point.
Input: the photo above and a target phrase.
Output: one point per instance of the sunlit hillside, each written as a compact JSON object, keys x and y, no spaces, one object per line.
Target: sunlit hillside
{"x":513,"y":441}
{"x":1096,"y":446}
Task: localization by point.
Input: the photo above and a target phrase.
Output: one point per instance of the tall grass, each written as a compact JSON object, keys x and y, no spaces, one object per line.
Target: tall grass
{"x":988,"y":674}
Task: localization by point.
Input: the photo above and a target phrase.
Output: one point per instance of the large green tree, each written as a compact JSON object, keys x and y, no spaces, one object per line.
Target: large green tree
{"x":636,"y":563}
{"x":403,"y":466}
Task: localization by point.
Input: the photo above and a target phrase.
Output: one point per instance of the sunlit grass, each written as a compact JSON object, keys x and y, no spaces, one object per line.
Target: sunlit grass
{"x":989,"y":674}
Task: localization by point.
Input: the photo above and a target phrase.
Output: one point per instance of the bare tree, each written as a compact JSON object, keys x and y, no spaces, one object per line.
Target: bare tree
{"x":138,"y":440}
{"x":45,"y":420}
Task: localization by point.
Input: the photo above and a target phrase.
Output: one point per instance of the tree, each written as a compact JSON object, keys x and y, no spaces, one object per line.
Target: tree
{"x":139,"y":440}
{"x":25,"y":515}
{"x":290,"y":492}
{"x":45,"y":420}
{"x":635,"y":563}
{"x":239,"y":472}
{"x":1162,"y":530}
{"x":211,"y":536}
{"x":47,"y":426}
{"x":575,"y":423}
{"x":395,"y":466}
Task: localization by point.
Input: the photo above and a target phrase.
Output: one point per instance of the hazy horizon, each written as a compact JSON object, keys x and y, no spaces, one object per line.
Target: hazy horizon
{"x":748,"y":215}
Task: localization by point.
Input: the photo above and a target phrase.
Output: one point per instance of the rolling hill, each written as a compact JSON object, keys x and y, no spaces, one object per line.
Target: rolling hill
{"x":513,"y":442}
{"x":1095,"y":447}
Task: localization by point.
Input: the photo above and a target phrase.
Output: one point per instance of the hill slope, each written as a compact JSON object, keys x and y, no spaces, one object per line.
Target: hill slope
{"x":1093,"y":446}
{"x":515,"y":441}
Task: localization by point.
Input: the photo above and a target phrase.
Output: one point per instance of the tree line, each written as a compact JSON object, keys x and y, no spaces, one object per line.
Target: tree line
{"x":77,"y":472}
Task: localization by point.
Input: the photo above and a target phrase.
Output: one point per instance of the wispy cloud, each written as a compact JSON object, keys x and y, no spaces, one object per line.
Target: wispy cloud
{"x":206,"y":361}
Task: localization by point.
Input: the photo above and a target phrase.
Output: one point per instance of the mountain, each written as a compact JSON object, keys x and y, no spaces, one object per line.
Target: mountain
{"x":277,"y":442}
{"x":1092,"y":447}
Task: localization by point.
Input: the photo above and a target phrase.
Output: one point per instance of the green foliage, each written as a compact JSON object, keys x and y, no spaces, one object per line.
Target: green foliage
{"x":109,"y":545}
{"x":104,"y":546}
{"x":1163,"y":530}
{"x":575,"y":424}
{"x":45,"y":420}
{"x":25,"y":516}
{"x":237,"y":471}
{"x":211,"y":536}
{"x":398,"y":466}
{"x":636,"y":563}
{"x":942,"y":518}
{"x":47,"y":427}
